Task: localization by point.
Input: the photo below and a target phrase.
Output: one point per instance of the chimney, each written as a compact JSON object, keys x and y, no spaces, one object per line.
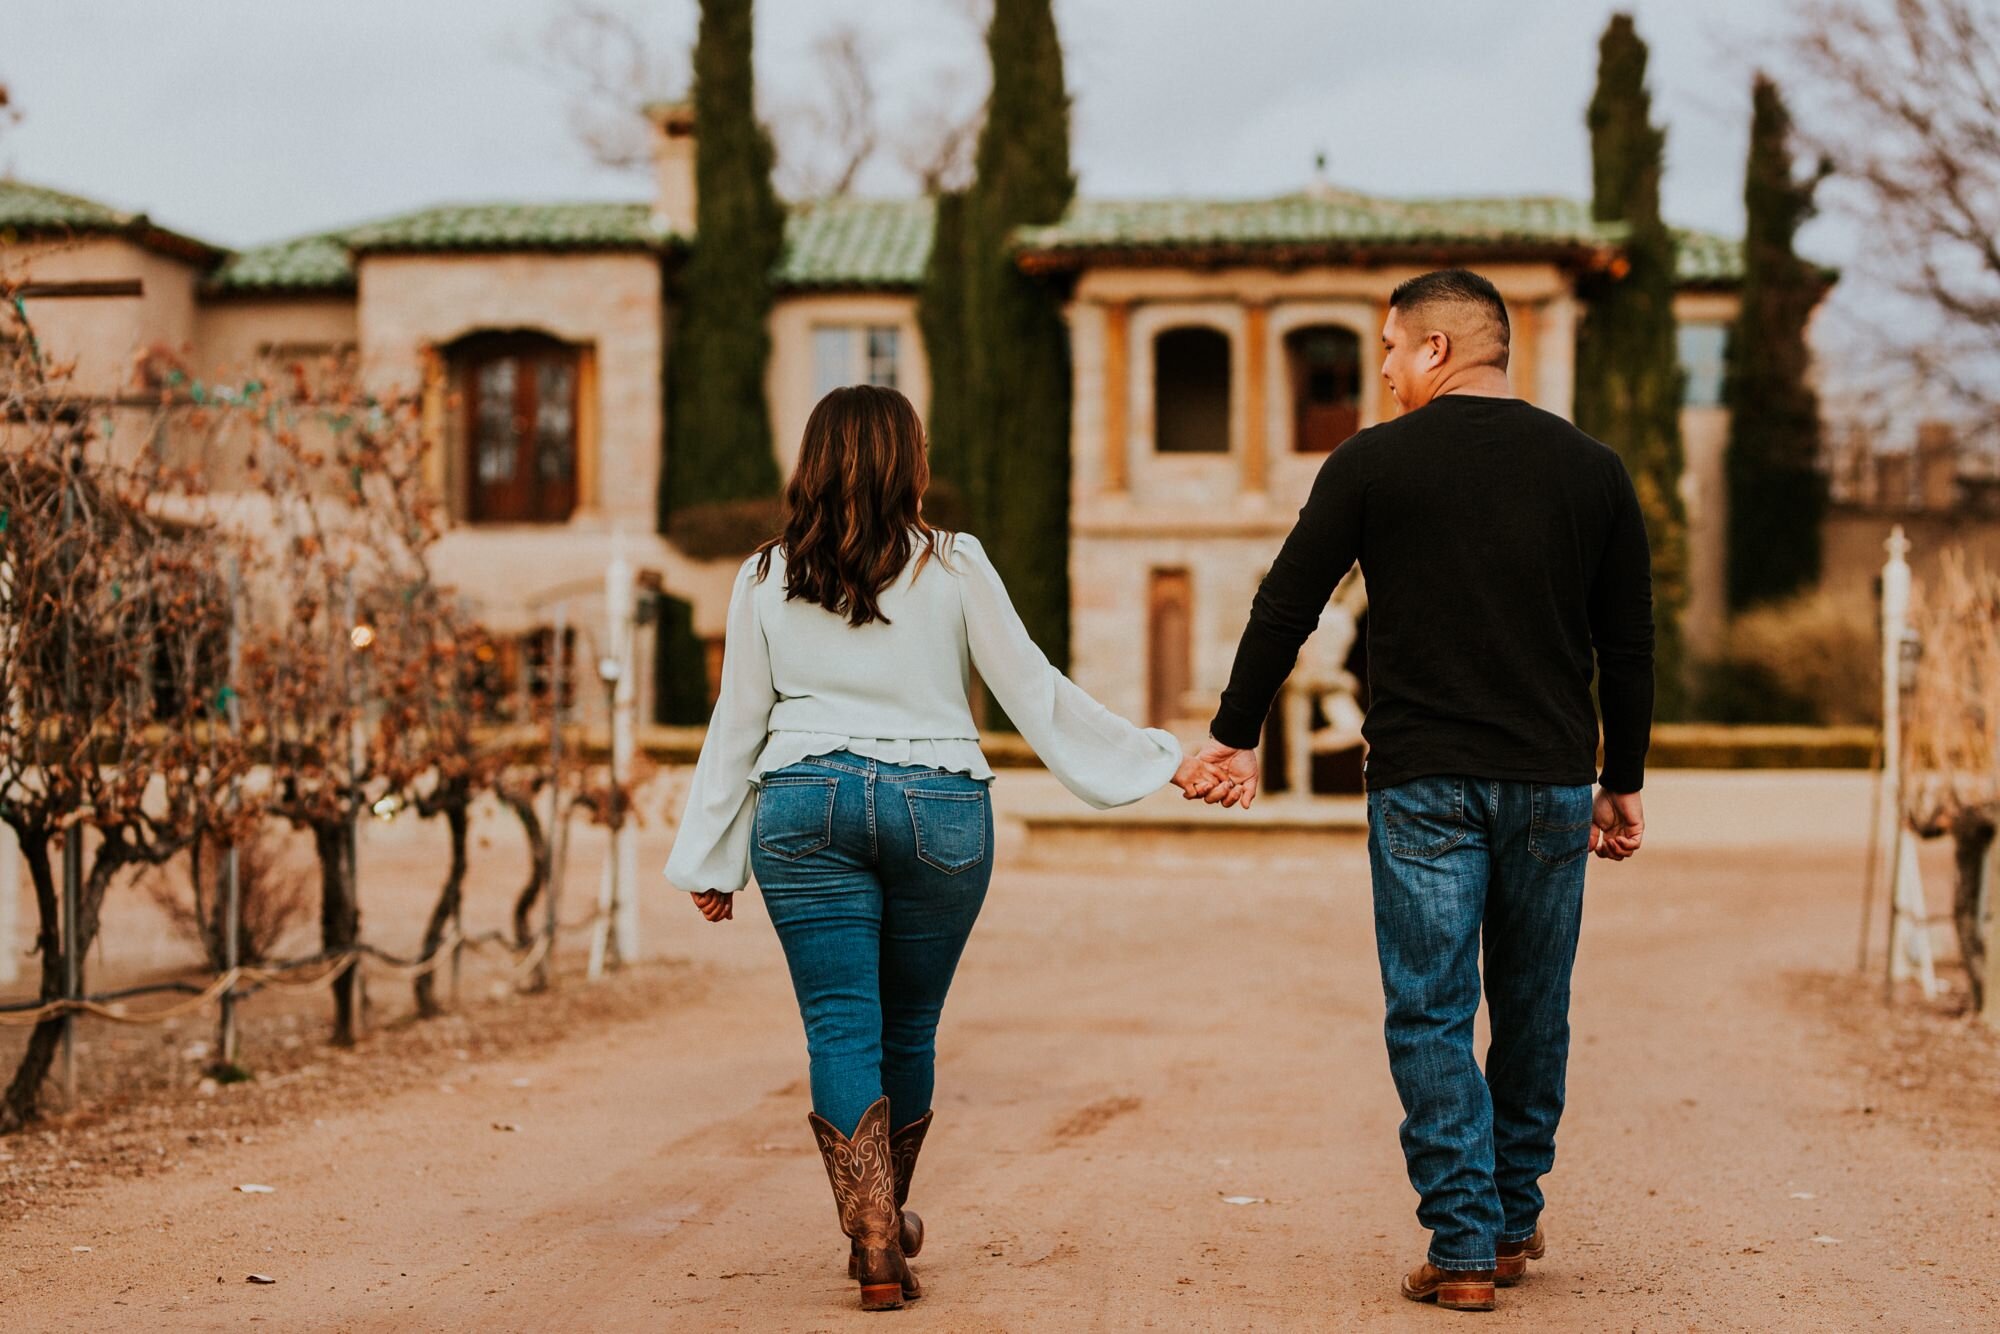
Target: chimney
{"x":673,"y":166}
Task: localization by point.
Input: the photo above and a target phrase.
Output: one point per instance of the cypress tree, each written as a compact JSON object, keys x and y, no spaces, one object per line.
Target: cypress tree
{"x":1628,"y":376}
{"x":941,"y":317}
{"x":1777,"y":495}
{"x":719,"y":431}
{"x":1015,"y":429}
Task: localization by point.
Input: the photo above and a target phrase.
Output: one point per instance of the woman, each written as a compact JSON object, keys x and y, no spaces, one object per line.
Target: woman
{"x":842,"y":766}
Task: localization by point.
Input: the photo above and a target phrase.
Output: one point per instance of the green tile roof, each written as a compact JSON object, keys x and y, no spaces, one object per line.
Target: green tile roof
{"x":856,"y":243}
{"x":35,"y":209}
{"x":32,"y":207}
{"x":1704,"y":259}
{"x":883,"y":244}
{"x":326,"y":262}
{"x":1340,"y":220}
{"x":1329,"y":218}
{"x":585,"y":226}
{"x":309,"y":264}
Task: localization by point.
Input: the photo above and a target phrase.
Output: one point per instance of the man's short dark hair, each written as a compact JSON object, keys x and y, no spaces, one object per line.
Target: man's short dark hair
{"x":1455,"y":287}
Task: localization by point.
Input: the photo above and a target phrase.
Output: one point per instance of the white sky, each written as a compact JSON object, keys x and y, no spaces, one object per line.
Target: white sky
{"x":249,"y":120}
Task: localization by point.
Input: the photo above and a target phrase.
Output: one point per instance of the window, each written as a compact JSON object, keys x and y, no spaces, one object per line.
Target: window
{"x":519,"y":407}
{"x":1324,"y":365}
{"x":1191,"y":391}
{"x":540,"y":668}
{"x":1704,"y":351}
{"x":845,"y":354}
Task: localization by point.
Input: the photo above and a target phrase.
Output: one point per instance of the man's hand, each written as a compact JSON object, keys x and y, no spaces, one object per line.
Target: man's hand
{"x":1239,"y":775}
{"x":715,"y":905}
{"x":1195,"y":778}
{"x":1617,"y":825}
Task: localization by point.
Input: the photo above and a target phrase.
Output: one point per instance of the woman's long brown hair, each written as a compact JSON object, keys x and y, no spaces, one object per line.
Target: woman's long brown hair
{"x":854,"y":503}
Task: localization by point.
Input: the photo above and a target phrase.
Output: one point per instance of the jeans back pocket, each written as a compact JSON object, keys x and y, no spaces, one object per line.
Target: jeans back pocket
{"x":1560,"y":829}
{"x":1424,"y":817}
{"x":950,"y":828}
{"x":795,"y":815}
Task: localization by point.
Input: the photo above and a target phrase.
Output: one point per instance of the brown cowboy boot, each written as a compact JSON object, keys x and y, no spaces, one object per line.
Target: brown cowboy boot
{"x":904,"y":1146}
{"x":1511,"y":1263}
{"x":860,"y":1170}
{"x":1452,"y":1289}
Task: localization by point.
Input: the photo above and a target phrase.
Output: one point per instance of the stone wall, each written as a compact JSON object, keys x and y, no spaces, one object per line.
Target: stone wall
{"x":104,"y":335}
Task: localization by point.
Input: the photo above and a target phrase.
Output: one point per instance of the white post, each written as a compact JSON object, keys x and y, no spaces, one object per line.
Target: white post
{"x":1895,"y":624}
{"x":10,"y":906}
{"x":619,"y":592}
{"x":1909,"y":920}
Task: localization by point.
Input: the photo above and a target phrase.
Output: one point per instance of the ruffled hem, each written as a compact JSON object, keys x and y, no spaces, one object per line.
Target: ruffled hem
{"x":952,"y":754}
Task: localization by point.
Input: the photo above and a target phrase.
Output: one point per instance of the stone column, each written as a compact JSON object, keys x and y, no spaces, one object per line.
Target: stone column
{"x":1117,"y":396}
{"x":1256,"y":397}
{"x":1525,"y":343}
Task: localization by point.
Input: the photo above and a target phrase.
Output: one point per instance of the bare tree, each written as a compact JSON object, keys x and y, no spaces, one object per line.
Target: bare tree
{"x":611,"y":64}
{"x":825,"y":141}
{"x":611,"y":68}
{"x":935,"y":141}
{"x":1909,"y":116}
{"x":113,"y":619}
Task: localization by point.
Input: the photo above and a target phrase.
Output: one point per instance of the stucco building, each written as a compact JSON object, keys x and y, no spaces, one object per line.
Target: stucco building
{"x":1220,"y":348}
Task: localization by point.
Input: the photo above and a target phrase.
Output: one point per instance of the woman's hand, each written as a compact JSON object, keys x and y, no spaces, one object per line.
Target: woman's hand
{"x":715,"y":905}
{"x":1196,"y":778}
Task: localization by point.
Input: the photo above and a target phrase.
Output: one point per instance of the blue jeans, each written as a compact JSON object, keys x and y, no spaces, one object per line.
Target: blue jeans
{"x":1454,"y":859}
{"x":873,"y":875}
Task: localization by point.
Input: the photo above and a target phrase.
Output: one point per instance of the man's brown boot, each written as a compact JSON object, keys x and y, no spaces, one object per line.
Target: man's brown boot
{"x":1452,"y":1289}
{"x":1511,"y":1259}
{"x":860,"y":1170}
{"x":904,"y":1146}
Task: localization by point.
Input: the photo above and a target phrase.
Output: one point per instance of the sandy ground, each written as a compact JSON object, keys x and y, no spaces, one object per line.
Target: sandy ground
{"x":1754,"y":1142}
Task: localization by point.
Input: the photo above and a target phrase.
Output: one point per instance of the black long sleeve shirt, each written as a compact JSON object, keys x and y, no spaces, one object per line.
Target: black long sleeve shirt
{"x":1501,"y":547}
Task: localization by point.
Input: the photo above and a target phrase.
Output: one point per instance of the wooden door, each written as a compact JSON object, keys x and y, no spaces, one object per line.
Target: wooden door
{"x":520,"y":396}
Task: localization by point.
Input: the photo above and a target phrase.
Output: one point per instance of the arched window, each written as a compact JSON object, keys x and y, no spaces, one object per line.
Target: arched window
{"x":1324,"y":363}
{"x":1191,"y":391}
{"x":518,"y":392}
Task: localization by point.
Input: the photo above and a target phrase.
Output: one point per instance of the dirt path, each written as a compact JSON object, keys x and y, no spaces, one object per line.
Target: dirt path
{"x":1123,"y":1051}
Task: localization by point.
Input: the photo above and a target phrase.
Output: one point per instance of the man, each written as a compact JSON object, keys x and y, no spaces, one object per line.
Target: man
{"x":1501,"y":546}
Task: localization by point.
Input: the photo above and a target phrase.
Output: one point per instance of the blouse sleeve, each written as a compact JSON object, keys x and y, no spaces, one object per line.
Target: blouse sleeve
{"x":1098,"y":755}
{"x":712,"y":847}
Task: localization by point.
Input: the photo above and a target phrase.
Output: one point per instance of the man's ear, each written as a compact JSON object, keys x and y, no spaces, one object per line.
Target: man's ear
{"x":1438,"y":342}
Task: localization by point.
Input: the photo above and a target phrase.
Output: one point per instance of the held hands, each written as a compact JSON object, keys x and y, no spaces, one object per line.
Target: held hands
{"x":1219,"y":775}
{"x":1617,"y":825}
{"x":715,"y":905}
{"x":1196,"y":779}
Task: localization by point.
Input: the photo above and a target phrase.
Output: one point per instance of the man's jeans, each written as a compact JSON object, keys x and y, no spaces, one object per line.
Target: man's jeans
{"x":873,"y":875}
{"x":1452,"y":858}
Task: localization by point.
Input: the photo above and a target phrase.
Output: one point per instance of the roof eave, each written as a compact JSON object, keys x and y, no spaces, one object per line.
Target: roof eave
{"x":254,"y":291}
{"x":665,"y":245}
{"x":140,"y":232}
{"x":844,"y":286}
